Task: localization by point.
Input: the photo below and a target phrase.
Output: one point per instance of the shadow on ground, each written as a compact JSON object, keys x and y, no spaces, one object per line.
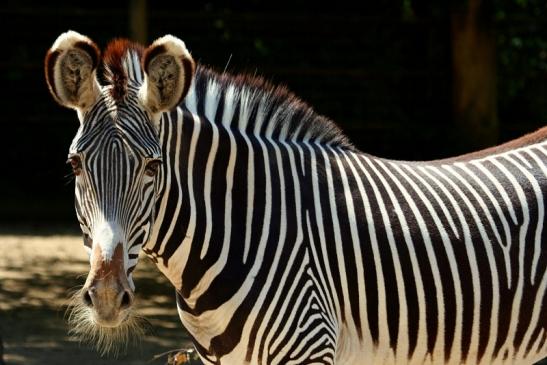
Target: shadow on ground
{"x":37,"y":276}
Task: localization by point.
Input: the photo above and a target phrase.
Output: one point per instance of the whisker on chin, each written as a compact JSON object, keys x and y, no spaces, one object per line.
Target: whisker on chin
{"x":71,"y":292}
{"x":69,"y":178}
{"x":106,"y":340}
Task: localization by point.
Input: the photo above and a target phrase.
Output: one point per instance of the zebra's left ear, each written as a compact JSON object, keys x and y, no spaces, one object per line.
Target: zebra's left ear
{"x":168,"y":72}
{"x":70,"y":68}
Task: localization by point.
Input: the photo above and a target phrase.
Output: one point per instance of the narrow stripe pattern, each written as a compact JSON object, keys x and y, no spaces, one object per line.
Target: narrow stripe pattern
{"x":286,"y":245}
{"x":115,"y":142}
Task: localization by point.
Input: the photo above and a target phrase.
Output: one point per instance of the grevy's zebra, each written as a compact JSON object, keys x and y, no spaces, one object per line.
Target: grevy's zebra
{"x":285,"y":244}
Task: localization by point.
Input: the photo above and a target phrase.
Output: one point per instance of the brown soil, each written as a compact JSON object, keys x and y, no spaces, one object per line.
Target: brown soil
{"x":37,"y":275}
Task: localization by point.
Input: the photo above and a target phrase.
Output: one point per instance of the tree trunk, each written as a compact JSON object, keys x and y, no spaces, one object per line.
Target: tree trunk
{"x":474,"y":74}
{"x":138,"y":22}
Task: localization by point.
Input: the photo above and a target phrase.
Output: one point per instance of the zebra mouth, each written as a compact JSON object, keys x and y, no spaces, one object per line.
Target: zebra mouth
{"x":110,"y":321}
{"x":108,"y":335}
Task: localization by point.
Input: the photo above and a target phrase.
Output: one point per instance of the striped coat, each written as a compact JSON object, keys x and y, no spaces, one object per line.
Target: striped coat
{"x":296,"y":242}
{"x":286,"y":244}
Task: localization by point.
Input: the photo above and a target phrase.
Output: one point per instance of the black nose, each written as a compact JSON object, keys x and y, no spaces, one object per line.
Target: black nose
{"x":99,"y":298}
{"x":127,"y":299}
{"x":87,"y":298}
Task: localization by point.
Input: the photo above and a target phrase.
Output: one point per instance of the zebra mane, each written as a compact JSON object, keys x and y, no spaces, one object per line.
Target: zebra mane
{"x":286,"y":116}
{"x":120,"y":65}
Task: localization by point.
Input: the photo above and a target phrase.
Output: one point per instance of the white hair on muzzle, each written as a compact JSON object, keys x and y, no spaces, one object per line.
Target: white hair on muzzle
{"x":106,"y":340}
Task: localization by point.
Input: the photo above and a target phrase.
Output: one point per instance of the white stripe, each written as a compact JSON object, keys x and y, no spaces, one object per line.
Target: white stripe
{"x":219,"y":318}
{"x":438,"y":351}
{"x":505,"y":247}
{"x":280,"y":246}
{"x":383,"y":331}
{"x":477,"y":196}
{"x":214,"y":270}
{"x":322,"y":286}
{"x":178,"y":124}
{"x":211,"y":104}
{"x":515,"y":308}
{"x":455,"y":355}
{"x":540,"y":200}
{"x":286,"y":316}
{"x":297,"y":244}
{"x":243,"y":122}
{"x":317,"y":198}
{"x":356,"y":244}
{"x":494,"y":272}
{"x":191,"y":99}
{"x":335,"y":223}
{"x":473,"y":264}
{"x":166,"y":175}
{"x":500,"y":188}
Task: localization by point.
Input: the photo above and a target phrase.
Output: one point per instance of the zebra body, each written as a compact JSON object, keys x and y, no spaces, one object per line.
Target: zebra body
{"x":363,"y":260}
{"x":286,"y":245}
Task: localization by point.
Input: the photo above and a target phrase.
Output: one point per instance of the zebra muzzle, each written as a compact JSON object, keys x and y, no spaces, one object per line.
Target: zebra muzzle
{"x":106,"y":291}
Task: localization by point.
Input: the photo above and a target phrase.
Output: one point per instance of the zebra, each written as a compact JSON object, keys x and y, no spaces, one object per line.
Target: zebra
{"x":286,"y":244}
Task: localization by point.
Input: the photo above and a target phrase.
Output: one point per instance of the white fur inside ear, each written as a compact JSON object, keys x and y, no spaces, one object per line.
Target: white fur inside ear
{"x":75,"y":84}
{"x":168,"y":72}
{"x":74,"y":79}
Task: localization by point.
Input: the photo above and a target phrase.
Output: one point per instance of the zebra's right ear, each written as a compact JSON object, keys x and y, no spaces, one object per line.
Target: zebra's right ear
{"x":70,"y":68}
{"x":168,"y":73}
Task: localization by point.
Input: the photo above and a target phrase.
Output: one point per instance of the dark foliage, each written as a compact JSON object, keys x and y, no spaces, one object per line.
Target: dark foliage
{"x":382,"y":71}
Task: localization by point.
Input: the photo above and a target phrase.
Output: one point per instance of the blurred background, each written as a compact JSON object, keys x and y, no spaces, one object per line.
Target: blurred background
{"x":406,"y":79}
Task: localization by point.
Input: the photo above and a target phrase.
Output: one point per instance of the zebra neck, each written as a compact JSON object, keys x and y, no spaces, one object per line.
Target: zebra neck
{"x":222,"y":150}
{"x":215,"y":208}
{"x":230,"y":210}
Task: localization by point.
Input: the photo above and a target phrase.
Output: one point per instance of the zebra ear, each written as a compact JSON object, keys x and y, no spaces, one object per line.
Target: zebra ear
{"x":168,"y":72}
{"x":70,"y":67}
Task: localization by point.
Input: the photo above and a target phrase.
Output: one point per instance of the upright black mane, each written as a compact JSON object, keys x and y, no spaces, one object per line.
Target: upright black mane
{"x":119,"y":66}
{"x":284,"y":109}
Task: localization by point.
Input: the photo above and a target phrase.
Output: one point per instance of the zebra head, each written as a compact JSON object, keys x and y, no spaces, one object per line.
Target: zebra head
{"x":116,"y":158}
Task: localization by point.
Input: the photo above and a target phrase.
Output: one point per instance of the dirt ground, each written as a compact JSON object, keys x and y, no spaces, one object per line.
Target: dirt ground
{"x":37,"y":275}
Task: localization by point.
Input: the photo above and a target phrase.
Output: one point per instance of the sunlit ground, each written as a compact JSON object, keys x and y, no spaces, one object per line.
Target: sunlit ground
{"x":37,"y":275}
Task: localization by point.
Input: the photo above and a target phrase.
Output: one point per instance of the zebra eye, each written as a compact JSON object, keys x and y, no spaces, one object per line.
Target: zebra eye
{"x":76,"y":163}
{"x":152,"y":167}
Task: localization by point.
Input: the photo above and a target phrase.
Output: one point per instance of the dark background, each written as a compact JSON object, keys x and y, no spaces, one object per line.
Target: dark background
{"x":383,"y":71}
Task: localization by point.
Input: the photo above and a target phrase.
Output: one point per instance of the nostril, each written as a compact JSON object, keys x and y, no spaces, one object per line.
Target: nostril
{"x":87,"y":299}
{"x":126,"y":300}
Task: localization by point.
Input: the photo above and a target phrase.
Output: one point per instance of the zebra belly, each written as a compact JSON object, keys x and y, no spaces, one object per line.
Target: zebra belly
{"x":353,"y":354}
{"x":352,"y":351}
{"x":312,"y":342}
